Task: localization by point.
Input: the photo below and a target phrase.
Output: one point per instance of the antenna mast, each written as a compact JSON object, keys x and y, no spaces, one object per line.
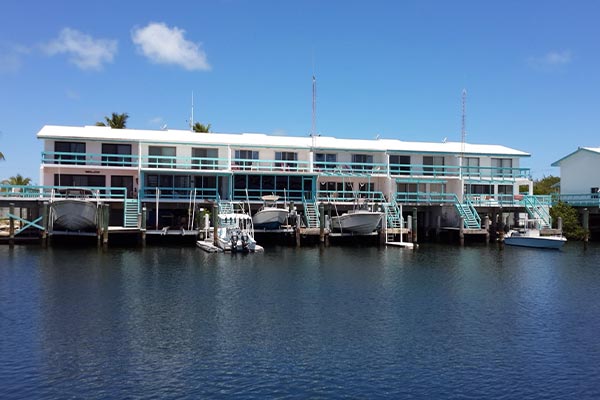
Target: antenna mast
{"x":463,"y":129}
{"x":313,"y":129}
{"x":192,"y":118}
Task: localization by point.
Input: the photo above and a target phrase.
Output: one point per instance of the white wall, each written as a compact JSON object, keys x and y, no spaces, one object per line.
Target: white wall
{"x":580,"y":172}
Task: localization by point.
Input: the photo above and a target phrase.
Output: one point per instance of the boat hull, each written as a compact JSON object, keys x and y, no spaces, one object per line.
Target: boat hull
{"x":269,"y":218}
{"x":541,"y":242}
{"x":361,"y":222}
{"x":74,"y":215}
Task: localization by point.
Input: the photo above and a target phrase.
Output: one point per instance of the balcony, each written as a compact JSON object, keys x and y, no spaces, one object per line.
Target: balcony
{"x":440,"y":171}
{"x":329,"y":168}
{"x":89,"y":159}
{"x":245,"y":164}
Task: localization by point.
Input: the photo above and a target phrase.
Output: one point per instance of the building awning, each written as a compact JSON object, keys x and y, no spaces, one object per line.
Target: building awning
{"x":419,"y":180}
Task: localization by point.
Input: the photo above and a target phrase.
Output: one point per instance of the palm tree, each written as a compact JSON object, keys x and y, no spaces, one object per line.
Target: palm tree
{"x":17,"y":180}
{"x":1,"y":156}
{"x":201,"y":128}
{"x":116,"y":121}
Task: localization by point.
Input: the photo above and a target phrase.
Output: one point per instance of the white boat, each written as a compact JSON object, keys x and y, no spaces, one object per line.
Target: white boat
{"x":76,"y":211}
{"x":357,"y":221}
{"x":270,"y":216}
{"x":530,"y":236}
{"x":235,"y":233}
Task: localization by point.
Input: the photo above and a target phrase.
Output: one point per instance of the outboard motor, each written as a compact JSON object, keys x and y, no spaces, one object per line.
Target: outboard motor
{"x":245,"y":242}
{"x":234,"y":240}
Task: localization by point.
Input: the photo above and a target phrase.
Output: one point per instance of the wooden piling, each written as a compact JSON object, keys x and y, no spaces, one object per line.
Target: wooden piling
{"x":414,"y":225}
{"x":321,"y":223}
{"x":45,"y":215}
{"x":486,"y":224}
{"x":461,"y":232}
{"x":143,"y":223}
{"x":215,"y":223}
{"x":105,"y":217}
{"x":586,"y":226}
{"x":11,"y":226}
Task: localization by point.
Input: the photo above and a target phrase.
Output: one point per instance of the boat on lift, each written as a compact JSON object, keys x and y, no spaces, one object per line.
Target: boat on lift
{"x":361,"y":220}
{"x":270,"y":215}
{"x":74,"y":209}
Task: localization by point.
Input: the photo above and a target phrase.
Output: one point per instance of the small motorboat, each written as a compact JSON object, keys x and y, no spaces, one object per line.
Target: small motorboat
{"x":531,"y":236}
{"x":270,"y":216}
{"x":75,"y":210}
{"x":357,"y":221}
{"x":235,"y":233}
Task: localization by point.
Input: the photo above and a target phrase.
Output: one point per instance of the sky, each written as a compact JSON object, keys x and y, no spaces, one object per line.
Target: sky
{"x":388,"y":69}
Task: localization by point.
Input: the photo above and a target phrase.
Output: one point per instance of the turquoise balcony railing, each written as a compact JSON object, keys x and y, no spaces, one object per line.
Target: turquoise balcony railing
{"x":199,"y":163}
{"x":58,"y":192}
{"x":425,"y":197}
{"x":349,"y":168}
{"x":350,"y":195}
{"x":244,"y":164}
{"x":92,"y":159}
{"x":436,"y":171}
{"x":579,"y":200}
{"x":178,"y":193}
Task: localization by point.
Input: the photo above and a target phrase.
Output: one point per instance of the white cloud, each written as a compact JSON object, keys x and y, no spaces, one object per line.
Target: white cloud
{"x":164,"y":45}
{"x":84,"y":51}
{"x":11,"y":57}
{"x":72,"y":95}
{"x":551,"y":60}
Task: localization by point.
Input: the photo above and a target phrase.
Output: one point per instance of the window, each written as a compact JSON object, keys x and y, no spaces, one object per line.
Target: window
{"x":165,"y":157}
{"x":245,"y":155}
{"x":121,"y":181}
{"x":433,"y":165}
{"x":502,"y":167}
{"x":479,"y":189}
{"x":286,"y":156}
{"x":471,"y":166}
{"x":116,"y":154}
{"x":60,"y":148}
{"x":437,"y":188}
{"x":80,"y":180}
{"x":360,"y":161}
{"x":325,"y":161}
{"x":399,"y":164}
{"x":204,"y":158}
{"x":505,"y":189}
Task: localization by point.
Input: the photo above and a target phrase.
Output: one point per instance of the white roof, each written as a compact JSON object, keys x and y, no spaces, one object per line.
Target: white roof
{"x":261,"y":140}
{"x":592,"y":149}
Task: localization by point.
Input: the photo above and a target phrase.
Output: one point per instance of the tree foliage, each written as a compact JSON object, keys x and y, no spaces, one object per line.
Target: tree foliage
{"x":115,"y":121}
{"x":1,"y":156}
{"x":571,"y":227}
{"x":17,"y":180}
{"x":201,"y":128}
{"x":545,"y":185}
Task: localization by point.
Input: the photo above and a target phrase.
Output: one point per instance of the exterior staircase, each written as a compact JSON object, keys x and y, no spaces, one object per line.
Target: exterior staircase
{"x":538,"y":211}
{"x":311,"y":212}
{"x":467,"y":211}
{"x":130,"y":216}
{"x":392,"y":215}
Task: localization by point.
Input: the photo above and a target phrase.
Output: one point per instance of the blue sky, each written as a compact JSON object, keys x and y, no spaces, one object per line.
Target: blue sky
{"x":387,"y":68}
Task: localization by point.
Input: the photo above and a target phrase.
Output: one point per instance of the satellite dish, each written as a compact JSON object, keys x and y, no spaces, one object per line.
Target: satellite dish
{"x":444,"y":140}
{"x":164,"y":127}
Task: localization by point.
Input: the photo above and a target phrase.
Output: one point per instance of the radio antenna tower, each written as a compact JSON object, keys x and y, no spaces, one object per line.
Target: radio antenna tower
{"x":463,"y":129}
{"x":313,"y":128}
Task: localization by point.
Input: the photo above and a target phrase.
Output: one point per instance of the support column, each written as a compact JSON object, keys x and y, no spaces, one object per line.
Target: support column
{"x":586,"y":226}
{"x":215,"y":222}
{"x":486,"y":224}
{"x":321,"y":223}
{"x":45,"y":215}
{"x":143,"y":223}
{"x":461,"y":232}
{"x":11,"y":229}
{"x":414,"y":225}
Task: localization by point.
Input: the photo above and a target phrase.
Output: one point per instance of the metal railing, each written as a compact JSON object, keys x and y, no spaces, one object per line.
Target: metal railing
{"x":578,"y":200}
{"x":347,"y":196}
{"x":91,"y":159}
{"x":440,"y":171}
{"x":57,"y":192}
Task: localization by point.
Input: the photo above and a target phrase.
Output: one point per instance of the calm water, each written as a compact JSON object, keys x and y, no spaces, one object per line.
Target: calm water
{"x":441,"y":322}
